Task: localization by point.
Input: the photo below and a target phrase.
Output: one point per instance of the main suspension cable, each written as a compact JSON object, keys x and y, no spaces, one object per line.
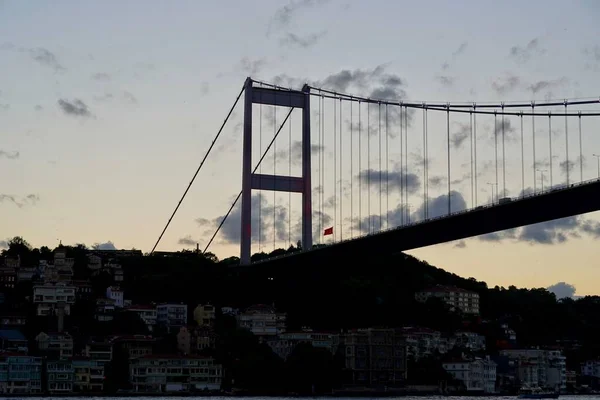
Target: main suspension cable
{"x":253,"y":171}
{"x":199,"y":167}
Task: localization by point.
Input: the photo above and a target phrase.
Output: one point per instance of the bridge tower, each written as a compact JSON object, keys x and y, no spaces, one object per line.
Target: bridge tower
{"x":278,"y":97}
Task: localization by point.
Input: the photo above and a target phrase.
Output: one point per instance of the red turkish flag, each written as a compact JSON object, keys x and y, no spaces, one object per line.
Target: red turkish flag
{"x":328,"y":231}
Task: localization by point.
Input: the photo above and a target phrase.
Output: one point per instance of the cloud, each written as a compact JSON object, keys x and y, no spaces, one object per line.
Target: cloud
{"x":296,"y":152}
{"x":562,"y":290}
{"x":549,"y":232}
{"x":593,"y":52}
{"x":438,"y":206}
{"x":46,"y":58}
{"x":460,"y":135}
{"x":101,"y":76}
{"x":187,"y":241}
{"x":270,"y":216}
{"x":129,"y":97}
{"x":28,"y":200}
{"x":445,"y":80}
{"x":293,"y":40}
{"x":4,"y":106}
{"x":75,"y":108}
{"x":283,"y":16}
{"x":251,"y":67}
{"x":395,"y":180}
{"x":104,"y":246}
{"x":38,"y":108}
{"x":11,"y":155}
{"x":461,"y":49}
{"x":377,"y":82}
{"x":506,"y":84}
{"x":461,"y":244}
{"x":522,"y":54}
{"x":547,"y":85}
{"x":3,"y":244}
{"x":204,"y":88}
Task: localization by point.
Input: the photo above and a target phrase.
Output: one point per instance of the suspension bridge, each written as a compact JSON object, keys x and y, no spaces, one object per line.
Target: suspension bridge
{"x":364,"y":163}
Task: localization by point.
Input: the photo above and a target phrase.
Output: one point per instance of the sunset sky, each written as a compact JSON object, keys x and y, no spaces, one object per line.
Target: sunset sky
{"x":107,"y":108}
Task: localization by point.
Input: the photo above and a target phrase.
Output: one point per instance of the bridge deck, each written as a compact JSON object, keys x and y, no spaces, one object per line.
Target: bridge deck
{"x":553,"y":204}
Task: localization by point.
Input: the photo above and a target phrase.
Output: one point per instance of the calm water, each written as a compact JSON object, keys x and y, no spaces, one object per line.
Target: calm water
{"x":565,"y":397}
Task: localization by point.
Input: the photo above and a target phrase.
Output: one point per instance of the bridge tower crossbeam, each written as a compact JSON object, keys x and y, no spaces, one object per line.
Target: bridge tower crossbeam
{"x":278,"y":97}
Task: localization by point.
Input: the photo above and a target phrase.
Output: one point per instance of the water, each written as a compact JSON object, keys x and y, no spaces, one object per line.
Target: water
{"x":156,"y":397}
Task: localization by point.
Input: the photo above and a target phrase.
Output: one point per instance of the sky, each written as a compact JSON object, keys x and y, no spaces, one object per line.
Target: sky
{"x":107,"y":108}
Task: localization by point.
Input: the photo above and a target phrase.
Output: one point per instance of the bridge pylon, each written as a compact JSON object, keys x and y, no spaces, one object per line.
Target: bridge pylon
{"x":279,"y":97}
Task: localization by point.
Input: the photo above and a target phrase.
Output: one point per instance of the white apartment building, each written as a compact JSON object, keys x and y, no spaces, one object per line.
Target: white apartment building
{"x":115,"y":293}
{"x":49,"y":296}
{"x":262,"y":320}
{"x":159,"y":374}
{"x":55,"y":344}
{"x":591,"y":368}
{"x":147,"y":313}
{"x":456,"y":298}
{"x":478,"y":375}
{"x":94,"y":262}
{"x":538,"y":367}
{"x":284,"y":344}
{"x":172,"y":316}
{"x":469,"y":340}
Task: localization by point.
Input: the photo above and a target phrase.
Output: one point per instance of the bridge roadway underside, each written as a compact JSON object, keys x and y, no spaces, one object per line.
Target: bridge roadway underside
{"x":557,"y":204}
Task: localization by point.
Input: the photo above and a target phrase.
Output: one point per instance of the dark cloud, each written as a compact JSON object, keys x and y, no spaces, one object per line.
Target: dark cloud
{"x":75,"y":108}
{"x":395,"y":217}
{"x":4,"y":106}
{"x":395,"y":180}
{"x":547,"y":85}
{"x":296,"y":152}
{"x":187,"y":241}
{"x":461,"y":244}
{"x":11,"y":155}
{"x":270,"y":217}
{"x":460,"y":135}
{"x":104,"y":246}
{"x":47,"y":58}
{"x":445,"y":66}
{"x":101,"y":76}
{"x":293,"y":40}
{"x":438,"y":206}
{"x":380,"y":84}
{"x":506,"y":84}
{"x":445,"y":80}
{"x":562,"y":290}
{"x":251,"y":67}
{"x":548,"y":233}
{"x":522,"y":54}
{"x":461,"y":49}
{"x":283,"y":16}
{"x":38,"y":108}
{"x":28,"y":200}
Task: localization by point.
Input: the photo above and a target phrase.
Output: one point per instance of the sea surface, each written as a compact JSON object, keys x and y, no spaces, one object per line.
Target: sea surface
{"x":155,"y":397}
